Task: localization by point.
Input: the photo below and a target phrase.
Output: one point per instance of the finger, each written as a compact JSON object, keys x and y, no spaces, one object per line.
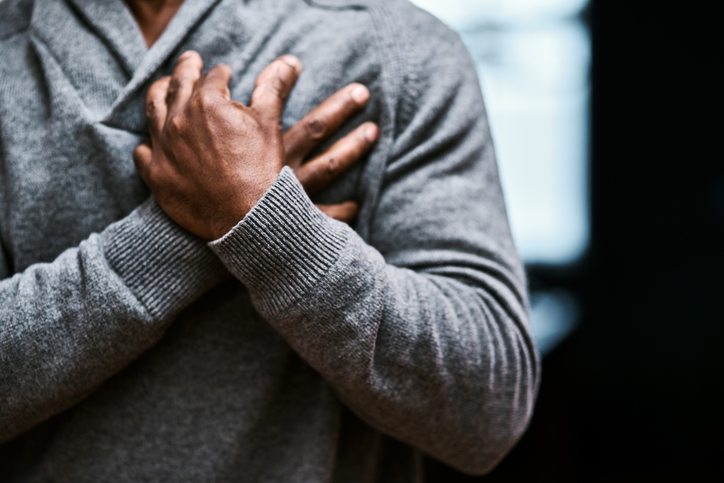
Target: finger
{"x":325,"y":119}
{"x":142,"y":161}
{"x":156,"y":108}
{"x":322,"y":170}
{"x":274,"y":85}
{"x":183,"y":79}
{"x":345,"y":212}
{"x":215,"y":82}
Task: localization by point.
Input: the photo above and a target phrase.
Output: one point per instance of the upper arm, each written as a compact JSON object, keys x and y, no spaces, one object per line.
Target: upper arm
{"x":441,"y":207}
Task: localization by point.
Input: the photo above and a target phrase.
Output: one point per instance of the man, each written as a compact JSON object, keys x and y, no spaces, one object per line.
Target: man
{"x":225,"y":329}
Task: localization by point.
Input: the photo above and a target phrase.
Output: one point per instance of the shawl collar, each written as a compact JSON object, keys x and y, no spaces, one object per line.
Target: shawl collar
{"x":114,"y":24}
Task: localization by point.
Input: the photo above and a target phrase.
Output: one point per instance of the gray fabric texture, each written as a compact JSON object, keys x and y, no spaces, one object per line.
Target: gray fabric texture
{"x":295,"y":348}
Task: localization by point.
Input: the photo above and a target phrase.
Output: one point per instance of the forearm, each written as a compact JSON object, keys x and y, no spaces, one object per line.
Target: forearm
{"x":439,"y":364}
{"x":68,"y":325}
{"x":443,"y":365}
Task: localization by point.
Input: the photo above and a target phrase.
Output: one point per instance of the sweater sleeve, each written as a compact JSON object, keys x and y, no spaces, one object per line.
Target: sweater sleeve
{"x":423,"y":331}
{"x":67,"y":326}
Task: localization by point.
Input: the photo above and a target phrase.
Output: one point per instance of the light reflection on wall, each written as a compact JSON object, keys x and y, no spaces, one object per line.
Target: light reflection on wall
{"x":533,"y":59}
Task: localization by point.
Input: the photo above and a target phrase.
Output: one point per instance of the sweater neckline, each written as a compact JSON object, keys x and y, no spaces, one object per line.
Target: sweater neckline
{"x":112,"y":21}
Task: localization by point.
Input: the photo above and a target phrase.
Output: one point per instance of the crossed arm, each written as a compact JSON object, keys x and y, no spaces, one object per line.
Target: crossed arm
{"x":437,"y":356}
{"x":423,"y":335}
{"x":68,"y":325}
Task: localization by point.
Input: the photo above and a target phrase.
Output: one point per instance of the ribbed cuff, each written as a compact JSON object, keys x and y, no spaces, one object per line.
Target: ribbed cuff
{"x":283,"y":247}
{"x":165,"y":266}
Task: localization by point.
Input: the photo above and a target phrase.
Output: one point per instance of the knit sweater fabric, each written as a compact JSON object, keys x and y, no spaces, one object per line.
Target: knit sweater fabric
{"x":296,"y":347}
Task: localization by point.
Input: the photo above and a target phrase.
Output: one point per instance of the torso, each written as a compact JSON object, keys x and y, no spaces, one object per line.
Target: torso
{"x":222,"y":394}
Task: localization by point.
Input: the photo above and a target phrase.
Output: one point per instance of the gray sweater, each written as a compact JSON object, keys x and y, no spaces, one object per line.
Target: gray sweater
{"x":295,"y":348}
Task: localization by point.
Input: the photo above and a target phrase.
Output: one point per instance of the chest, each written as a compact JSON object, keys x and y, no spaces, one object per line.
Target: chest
{"x":68,"y":129}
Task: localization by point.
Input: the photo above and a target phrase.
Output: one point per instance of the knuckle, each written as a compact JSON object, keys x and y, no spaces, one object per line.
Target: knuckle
{"x":173,"y":87}
{"x":314,"y":128}
{"x":177,"y":81}
{"x":331,"y":167}
{"x":175,"y":126}
{"x":202,"y":102}
{"x":151,"y":108}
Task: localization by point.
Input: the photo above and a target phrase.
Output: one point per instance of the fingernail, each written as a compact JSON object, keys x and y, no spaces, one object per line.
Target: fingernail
{"x":360,"y":94}
{"x":371,"y":133}
{"x":185,"y":55}
{"x":292,"y":62}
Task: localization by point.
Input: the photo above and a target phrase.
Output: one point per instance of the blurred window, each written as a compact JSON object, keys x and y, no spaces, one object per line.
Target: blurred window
{"x":533,"y":60}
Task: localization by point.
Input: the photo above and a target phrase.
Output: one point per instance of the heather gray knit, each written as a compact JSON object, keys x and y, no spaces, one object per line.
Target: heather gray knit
{"x":295,"y":348}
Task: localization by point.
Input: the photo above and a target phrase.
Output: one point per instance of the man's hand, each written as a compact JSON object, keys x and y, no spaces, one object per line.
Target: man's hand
{"x":316,"y":126}
{"x":211,"y":159}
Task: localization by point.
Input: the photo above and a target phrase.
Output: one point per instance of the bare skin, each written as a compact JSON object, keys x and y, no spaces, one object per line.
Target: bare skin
{"x":153,"y":16}
{"x":210,"y":159}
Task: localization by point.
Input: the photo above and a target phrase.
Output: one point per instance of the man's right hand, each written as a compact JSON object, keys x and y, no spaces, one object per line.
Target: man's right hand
{"x":194,"y":167}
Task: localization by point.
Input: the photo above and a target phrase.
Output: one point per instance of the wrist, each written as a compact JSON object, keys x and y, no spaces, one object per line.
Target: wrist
{"x":249,"y":195}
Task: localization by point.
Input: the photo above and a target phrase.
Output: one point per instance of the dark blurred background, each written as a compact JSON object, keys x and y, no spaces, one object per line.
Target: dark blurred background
{"x":632,"y":392}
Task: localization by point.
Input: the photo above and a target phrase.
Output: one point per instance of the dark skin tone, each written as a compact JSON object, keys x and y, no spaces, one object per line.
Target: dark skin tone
{"x":153,"y":16}
{"x":211,"y":159}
